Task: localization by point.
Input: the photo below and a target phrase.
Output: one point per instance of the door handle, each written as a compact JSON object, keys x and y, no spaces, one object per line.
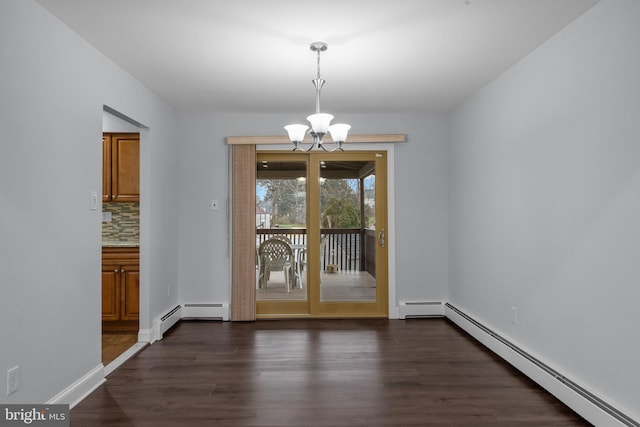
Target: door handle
{"x":381,"y":237}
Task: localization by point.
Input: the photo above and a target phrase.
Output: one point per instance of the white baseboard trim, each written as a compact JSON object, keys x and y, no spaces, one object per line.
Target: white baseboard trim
{"x":129,"y":353}
{"x":146,"y":335}
{"x":582,"y":401}
{"x":80,"y":389}
{"x":420,"y":309}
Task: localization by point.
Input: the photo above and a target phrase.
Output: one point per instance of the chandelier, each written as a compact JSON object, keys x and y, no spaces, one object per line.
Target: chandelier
{"x":320,"y":122}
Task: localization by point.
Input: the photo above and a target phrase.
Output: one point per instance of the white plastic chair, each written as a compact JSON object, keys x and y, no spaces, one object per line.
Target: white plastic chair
{"x":275,"y":255}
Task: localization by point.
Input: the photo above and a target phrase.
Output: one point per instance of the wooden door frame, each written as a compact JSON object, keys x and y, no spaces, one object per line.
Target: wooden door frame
{"x":293,"y":308}
{"x":378,"y":308}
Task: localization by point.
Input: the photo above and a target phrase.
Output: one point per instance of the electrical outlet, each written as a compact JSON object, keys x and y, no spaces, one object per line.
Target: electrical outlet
{"x":13,"y":380}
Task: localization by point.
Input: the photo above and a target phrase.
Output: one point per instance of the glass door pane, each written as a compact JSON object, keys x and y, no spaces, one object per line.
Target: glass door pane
{"x":281,"y":229}
{"x":347,"y":213}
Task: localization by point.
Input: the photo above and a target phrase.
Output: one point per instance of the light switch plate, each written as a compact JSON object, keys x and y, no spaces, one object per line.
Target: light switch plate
{"x":93,"y":203}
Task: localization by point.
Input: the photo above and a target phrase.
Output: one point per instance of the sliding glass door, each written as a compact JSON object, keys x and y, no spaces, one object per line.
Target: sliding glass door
{"x":320,"y":234}
{"x":281,"y":234}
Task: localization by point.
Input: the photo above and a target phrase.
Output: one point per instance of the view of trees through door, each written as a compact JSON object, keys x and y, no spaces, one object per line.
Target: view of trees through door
{"x":322,"y":211}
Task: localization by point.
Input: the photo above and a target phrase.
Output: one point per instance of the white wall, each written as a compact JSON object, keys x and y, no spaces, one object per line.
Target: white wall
{"x":54,"y":86}
{"x":113,"y":124}
{"x":420,"y":194}
{"x":545,"y":207}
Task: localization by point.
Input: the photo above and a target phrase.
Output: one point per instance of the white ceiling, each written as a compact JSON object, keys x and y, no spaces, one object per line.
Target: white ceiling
{"x":253,"y":55}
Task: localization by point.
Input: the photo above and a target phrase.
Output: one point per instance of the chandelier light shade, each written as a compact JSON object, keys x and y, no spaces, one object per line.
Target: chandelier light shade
{"x":339,"y":132}
{"x":320,"y":122}
{"x":296,"y":134}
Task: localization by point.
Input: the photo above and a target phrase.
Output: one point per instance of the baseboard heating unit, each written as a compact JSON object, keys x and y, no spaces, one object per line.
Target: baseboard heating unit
{"x":206,"y":311}
{"x":187,"y":311}
{"x":166,"y":322}
{"x":588,"y":405}
{"x":420,"y":309}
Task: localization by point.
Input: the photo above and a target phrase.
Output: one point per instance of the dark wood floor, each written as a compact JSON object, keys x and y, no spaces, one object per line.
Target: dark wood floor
{"x":319,"y":373}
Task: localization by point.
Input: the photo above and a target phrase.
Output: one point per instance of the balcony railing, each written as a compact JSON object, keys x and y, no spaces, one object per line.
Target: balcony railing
{"x":348,"y":248}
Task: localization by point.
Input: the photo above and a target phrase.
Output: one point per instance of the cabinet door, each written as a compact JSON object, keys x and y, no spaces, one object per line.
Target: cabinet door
{"x":106,"y":167}
{"x":110,"y":292}
{"x":130,"y":293}
{"x":125,"y":167}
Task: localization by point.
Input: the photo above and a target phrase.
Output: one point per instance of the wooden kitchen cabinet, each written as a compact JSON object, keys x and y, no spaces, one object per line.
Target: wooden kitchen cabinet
{"x":120,"y":167}
{"x":130,"y":293}
{"x":106,"y":167}
{"x":120,"y":284}
{"x":110,"y":292}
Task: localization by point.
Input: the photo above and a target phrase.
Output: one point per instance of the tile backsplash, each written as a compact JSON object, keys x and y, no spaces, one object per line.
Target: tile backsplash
{"x":125,"y":222}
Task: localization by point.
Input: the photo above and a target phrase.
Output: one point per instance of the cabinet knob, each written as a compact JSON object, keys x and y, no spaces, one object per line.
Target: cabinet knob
{"x":115,"y":271}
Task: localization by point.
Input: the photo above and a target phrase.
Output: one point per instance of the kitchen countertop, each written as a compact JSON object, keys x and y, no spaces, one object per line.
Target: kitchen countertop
{"x":119,"y":244}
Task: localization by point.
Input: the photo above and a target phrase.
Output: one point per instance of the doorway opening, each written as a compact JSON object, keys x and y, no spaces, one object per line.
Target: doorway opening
{"x":121,"y":223}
